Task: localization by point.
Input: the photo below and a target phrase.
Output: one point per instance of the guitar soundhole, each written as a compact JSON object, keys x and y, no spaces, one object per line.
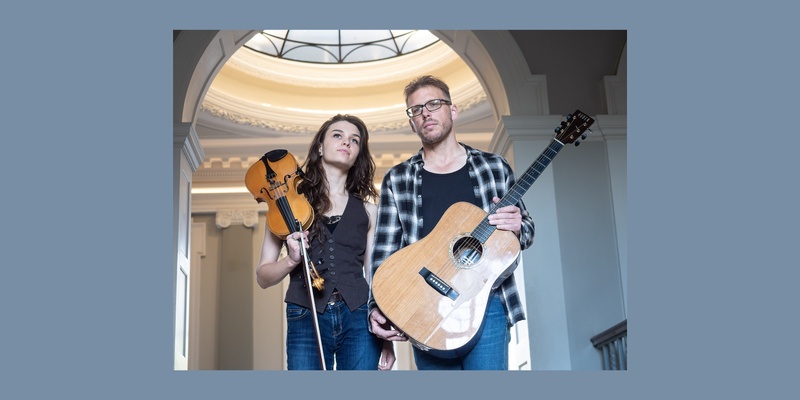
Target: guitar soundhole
{"x":466,"y":251}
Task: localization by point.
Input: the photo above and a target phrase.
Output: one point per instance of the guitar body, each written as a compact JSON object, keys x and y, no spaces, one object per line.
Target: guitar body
{"x":437,"y":289}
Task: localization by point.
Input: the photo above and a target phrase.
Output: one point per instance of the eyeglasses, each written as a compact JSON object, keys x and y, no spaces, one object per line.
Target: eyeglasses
{"x":431,"y":105}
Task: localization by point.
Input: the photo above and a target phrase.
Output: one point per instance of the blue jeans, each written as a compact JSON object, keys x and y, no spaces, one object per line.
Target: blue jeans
{"x":489,"y":353}
{"x":345,"y":337}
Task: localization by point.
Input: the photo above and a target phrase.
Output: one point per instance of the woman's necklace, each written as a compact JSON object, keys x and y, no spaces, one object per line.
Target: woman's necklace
{"x":331,"y":220}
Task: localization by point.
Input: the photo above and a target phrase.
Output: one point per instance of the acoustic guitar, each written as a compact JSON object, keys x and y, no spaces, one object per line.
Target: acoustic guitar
{"x":437,"y":290}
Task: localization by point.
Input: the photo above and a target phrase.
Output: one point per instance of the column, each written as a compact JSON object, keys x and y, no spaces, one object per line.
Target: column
{"x":236,"y":288}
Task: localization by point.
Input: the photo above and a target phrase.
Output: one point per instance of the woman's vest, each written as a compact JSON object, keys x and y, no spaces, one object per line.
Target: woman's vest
{"x":339,"y":258}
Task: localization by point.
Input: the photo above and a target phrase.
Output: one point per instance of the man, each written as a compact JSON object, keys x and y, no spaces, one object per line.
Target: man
{"x":444,"y":172}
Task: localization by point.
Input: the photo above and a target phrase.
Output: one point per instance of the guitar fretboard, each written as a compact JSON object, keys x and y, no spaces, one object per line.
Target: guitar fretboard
{"x":523,"y":183}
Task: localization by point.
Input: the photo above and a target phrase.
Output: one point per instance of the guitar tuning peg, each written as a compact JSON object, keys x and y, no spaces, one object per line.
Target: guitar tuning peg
{"x":577,"y":143}
{"x":583,"y":136}
{"x":557,"y":130}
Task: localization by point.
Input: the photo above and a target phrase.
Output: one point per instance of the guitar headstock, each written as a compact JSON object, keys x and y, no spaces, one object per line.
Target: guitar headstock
{"x":574,"y":128}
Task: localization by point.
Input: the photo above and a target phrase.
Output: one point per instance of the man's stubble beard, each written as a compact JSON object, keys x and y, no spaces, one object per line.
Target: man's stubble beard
{"x":447,"y":127}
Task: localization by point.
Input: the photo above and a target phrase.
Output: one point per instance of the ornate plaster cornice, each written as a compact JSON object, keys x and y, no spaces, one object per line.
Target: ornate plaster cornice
{"x":221,"y":106}
{"x":238,"y":118}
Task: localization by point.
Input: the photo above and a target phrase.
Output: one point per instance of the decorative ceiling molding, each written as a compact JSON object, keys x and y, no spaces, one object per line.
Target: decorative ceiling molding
{"x":221,"y":112}
{"x":307,"y":123}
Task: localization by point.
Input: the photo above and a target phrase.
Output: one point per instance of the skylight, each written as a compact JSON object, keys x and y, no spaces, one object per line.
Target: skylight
{"x":339,"y":46}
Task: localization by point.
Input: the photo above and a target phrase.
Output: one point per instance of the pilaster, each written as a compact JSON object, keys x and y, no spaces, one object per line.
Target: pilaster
{"x":512,"y":129}
{"x":521,"y":139}
{"x":184,"y":137}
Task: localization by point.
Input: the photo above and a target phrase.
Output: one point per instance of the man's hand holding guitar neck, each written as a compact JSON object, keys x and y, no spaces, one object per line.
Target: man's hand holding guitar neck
{"x":506,"y":218}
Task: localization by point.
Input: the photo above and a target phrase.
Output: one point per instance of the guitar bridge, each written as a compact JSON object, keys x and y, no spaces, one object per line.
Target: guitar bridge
{"x":438,"y":284}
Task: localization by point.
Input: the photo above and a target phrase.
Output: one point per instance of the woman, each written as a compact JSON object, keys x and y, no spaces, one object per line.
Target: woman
{"x":338,"y":183}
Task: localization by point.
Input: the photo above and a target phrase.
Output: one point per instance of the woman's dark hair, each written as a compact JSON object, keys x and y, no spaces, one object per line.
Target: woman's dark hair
{"x":314,"y":185}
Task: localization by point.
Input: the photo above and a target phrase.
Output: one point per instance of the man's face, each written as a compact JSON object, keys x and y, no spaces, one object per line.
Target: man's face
{"x":432,"y":127}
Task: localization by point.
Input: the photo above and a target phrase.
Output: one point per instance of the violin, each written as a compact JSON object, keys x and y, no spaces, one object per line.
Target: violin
{"x":273,"y":180}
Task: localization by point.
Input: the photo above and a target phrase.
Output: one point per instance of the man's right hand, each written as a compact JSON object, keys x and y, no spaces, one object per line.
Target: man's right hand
{"x":382,"y":327}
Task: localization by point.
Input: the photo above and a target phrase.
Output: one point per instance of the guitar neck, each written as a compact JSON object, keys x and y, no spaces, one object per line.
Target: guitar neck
{"x":525,"y":181}
{"x":521,"y":186}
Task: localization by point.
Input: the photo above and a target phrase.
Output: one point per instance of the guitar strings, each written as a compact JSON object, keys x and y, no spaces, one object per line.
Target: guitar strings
{"x":469,"y":251}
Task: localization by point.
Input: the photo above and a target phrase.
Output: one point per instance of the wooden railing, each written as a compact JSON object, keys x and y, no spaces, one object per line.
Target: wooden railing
{"x":613,"y":343}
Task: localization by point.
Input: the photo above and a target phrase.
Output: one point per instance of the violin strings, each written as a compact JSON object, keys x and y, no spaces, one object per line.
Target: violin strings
{"x":288,"y":217}
{"x":285,"y":209}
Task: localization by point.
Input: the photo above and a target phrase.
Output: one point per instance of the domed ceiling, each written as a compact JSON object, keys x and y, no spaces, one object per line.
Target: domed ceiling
{"x":258,"y":102}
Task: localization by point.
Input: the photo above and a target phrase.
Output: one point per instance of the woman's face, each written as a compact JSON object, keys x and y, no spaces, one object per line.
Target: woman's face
{"x":341,"y":144}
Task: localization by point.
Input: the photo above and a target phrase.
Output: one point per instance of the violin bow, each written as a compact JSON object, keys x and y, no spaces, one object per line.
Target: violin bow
{"x":307,"y":273}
